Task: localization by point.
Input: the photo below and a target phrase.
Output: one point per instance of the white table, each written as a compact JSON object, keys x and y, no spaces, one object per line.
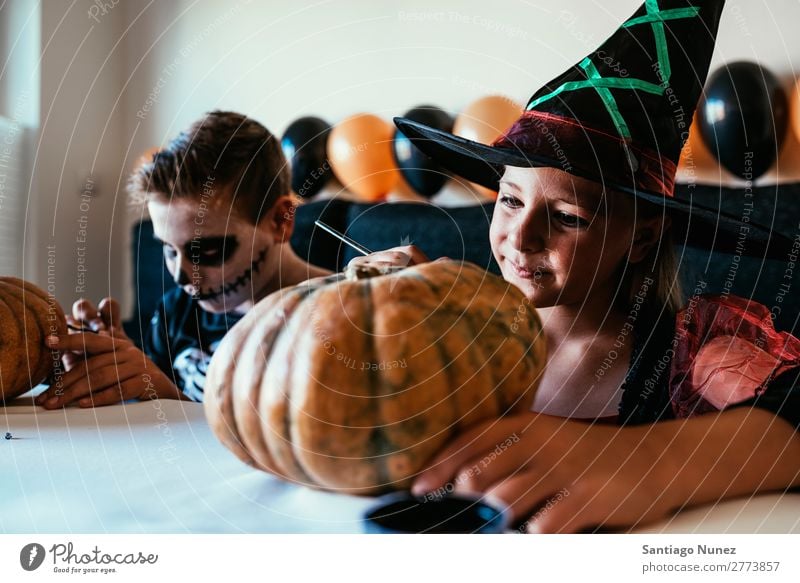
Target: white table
{"x":155,"y":467}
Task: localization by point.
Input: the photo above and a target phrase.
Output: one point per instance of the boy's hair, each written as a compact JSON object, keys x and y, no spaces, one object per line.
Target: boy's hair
{"x":224,"y":153}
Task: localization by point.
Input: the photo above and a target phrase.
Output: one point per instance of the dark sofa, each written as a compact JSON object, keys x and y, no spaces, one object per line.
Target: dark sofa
{"x":463,"y":233}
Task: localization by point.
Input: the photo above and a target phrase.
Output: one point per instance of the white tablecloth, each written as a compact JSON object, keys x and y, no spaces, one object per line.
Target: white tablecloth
{"x":156,"y":467}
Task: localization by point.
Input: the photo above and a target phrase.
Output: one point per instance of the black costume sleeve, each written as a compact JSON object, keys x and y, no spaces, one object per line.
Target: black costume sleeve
{"x":156,"y":343}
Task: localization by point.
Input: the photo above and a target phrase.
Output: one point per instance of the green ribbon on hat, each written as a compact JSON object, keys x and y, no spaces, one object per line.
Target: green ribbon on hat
{"x":655,"y":17}
{"x":603,"y":85}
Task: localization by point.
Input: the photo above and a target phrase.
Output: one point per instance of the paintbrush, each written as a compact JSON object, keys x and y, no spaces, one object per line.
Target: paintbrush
{"x":81,"y":328}
{"x":343,"y":238}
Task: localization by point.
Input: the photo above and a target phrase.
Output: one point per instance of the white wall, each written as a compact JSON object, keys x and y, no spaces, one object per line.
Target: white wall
{"x":79,"y":154}
{"x":160,"y":65}
{"x":19,"y":120}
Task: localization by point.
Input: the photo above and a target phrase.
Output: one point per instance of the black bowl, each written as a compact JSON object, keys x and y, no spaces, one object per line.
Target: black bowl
{"x":454,"y":514}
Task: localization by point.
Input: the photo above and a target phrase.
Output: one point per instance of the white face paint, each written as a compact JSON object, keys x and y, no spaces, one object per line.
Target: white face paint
{"x":217,"y":257}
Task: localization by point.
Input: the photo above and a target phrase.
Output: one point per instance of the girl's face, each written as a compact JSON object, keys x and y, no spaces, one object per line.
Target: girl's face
{"x":219,"y":258}
{"x":560,"y":239}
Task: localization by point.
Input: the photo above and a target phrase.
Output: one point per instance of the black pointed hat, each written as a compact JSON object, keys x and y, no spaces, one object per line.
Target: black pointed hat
{"x":619,"y":117}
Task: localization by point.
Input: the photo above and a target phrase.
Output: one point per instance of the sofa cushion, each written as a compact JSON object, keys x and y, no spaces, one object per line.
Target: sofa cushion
{"x":772,"y":282}
{"x":463,"y":233}
{"x":312,"y":243}
{"x":459,"y":233}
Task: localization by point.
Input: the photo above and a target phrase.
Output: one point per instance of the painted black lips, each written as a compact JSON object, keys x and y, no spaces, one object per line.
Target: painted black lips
{"x":237,"y":283}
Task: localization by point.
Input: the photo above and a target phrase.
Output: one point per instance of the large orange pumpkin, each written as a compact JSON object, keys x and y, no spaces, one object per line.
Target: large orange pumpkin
{"x":352,"y":383}
{"x":27,"y":316}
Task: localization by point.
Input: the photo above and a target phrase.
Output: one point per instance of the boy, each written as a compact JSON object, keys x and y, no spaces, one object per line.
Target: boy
{"x":219,"y":198}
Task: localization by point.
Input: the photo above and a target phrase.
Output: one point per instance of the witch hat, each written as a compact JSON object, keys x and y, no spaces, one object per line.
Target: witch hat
{"x":619,"y":117}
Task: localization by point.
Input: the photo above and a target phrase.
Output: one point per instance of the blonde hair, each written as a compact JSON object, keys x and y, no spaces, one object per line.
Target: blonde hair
{"x":656,"y":276}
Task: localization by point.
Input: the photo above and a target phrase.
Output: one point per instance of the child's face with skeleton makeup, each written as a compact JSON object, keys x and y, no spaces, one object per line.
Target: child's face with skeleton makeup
{"x":219,"y":258}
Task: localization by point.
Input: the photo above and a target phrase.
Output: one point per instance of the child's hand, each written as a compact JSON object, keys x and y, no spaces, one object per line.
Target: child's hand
{"x":114,"y":370}
{"x":103,"y":318}
{"x":106,"y":316}
{"x":591,"y":474}
{"x":395,"y":257}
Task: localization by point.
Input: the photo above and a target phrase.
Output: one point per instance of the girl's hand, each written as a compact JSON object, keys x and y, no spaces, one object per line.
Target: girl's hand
{"x":558,"y":475}
{"x":114,"y":370}
{"x":395,"y":257}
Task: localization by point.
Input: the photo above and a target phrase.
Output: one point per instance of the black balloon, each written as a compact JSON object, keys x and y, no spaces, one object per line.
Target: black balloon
{"x":420,"y":171}
{"x":743,"y":118}
{"x":304,"y":144}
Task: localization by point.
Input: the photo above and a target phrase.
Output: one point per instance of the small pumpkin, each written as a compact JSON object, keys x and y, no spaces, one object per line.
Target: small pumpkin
{"x":27,"y":316}
{"x":353,"y":381}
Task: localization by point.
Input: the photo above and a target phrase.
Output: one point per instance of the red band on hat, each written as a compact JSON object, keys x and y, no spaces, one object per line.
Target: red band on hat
{"x":589,"y":152}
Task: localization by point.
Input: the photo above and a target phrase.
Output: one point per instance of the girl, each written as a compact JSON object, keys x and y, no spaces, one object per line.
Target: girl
{"x":220,"y":202}
{"x":583,"y":225}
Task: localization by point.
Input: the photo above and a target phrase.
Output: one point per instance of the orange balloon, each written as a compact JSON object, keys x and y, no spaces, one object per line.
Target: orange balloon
{"x":695,"y":155}
{"x":794,"y":109}
{"x":146,"y":157}
{"x":485,"y":120}
{"x":360,"y":153}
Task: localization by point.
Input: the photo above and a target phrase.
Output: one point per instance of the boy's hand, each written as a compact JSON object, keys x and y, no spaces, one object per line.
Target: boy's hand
{"x":103,"y":318}
{"x":114,"y":370}
{"x":106,"y":316}
{"x":559,"y":475}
